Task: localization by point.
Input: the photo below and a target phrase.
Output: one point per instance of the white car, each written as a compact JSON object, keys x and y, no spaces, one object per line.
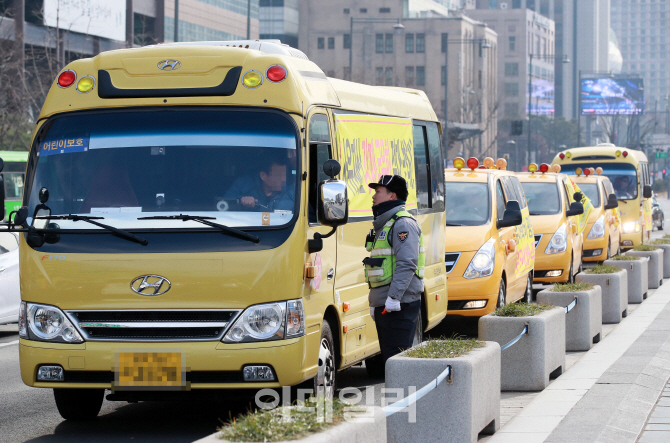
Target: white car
{"x":10,"y":292}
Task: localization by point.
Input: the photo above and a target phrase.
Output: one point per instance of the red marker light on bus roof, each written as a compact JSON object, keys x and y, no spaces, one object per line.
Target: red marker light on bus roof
{"x":276,"y":73}
{"x":66,"y":78}
{"x":561,"y":156}
{"x":625,"y":154}
{"x":587,"y":171}
{"x":544,"y":168}
{"x":473,"y":163}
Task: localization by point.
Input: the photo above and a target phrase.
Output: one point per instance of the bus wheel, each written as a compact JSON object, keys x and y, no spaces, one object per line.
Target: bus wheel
{"x":571,"y":276}
{"x":502,"y":294}
{"x":78,"y":404}
{"x":325,"y":379}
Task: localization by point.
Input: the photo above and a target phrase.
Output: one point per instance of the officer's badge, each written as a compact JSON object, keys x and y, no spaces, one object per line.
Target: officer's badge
{"x":402,"y":236}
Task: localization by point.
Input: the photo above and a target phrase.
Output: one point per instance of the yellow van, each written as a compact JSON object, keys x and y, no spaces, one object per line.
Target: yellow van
{"x":489,"y":251}
{"x":628,"y":170}
{"x":603,"y":235}
{"x":184,"y":228}
{"x":554,"y":214}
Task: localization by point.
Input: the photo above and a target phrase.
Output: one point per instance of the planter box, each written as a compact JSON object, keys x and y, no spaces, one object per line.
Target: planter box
{"x":455,"y":412}
{"x":666,"y":259}
{"x":637,"y":277}
{"x":654,"y":266}
{"x":539,"y":355}
{"x":614,"y":290}
{"x":371,"y":429}
{"x":583,"y":324}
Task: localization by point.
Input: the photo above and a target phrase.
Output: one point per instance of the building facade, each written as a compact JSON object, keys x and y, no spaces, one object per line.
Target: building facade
{"x":279,"y":20}
{"x":414,"y":45}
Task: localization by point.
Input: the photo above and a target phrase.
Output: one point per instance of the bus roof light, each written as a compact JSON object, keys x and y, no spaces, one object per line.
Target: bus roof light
{"x":561,"y":156}
{"x":618,"y":153}
{"x":276,"y":73}
{"x":459,"y":163}
{"x":599,"y":170}
{"x":532,"y":168}
{"x":578,"y":171}
{"x":501,"y":164}
{"x":252,"y":79}
{"x":556,"y":168}
{"x":587,"y":171}
{"x":625,"y":154}
{"x":568,"y":155}
{"x":66,"y":78}
{"x":473,"y":163}
{"x":489,"y":163}
{"x":544,"y":168}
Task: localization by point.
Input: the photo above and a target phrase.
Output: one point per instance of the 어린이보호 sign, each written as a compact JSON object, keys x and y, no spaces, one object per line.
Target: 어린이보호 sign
{"x":369,"y":147}
{"x":525,"y":245}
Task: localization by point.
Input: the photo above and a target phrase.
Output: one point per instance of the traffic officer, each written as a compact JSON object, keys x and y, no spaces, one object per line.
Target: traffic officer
{"x":394,"y":270}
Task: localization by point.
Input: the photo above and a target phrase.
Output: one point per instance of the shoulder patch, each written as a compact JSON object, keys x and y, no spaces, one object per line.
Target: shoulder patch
{"x":382,"y":236}
{"x":402,"y":236}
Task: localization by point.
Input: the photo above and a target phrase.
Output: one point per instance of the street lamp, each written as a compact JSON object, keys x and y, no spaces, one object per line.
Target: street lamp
{"x":398,"y":27}
{"x":530,"y":87}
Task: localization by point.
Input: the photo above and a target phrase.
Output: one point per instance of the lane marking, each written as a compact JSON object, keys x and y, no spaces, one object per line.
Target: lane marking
{"x":9,"y":344}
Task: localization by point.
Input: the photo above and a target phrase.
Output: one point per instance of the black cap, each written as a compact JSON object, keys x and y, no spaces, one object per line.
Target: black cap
{"x":394,"y":183}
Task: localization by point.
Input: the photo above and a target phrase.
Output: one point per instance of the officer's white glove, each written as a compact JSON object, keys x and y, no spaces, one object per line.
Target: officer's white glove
{"x":392,"y":304}
{"x":372,"y":313}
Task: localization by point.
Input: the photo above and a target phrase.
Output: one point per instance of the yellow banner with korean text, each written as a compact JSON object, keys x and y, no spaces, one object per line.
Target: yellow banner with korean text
{"x":583,"y":219}
{"x":369,"y":147}
{"x":525,"y":244}
{"x":647,"y":215}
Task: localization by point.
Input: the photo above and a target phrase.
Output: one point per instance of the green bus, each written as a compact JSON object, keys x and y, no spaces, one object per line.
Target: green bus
{"x":14,"y":174}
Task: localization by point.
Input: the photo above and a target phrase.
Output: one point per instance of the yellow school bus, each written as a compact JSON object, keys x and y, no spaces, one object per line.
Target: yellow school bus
{"x":628,"y":170}
{"x":489,"y":252}
{"x":184,"y":227}
{"x":556,"y":225}
{"x":602,"y":238}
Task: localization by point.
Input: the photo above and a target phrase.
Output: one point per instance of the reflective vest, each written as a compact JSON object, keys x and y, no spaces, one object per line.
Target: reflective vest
{"x":380,"y":266}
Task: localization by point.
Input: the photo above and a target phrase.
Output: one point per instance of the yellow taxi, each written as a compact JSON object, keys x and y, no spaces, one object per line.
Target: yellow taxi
{"x":554,"y":214}
{"x":489,"y":252}
{"x":603,"y":226}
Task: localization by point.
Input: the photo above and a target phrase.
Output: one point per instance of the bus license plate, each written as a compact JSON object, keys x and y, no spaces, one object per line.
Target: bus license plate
{"x":150,"y":369}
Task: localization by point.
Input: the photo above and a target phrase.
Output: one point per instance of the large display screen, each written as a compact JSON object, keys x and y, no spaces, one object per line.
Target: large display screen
{"x":612,"y":96}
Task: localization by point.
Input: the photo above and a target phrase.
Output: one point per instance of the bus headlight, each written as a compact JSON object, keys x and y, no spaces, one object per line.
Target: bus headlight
{"x":483,"y":262}
{"x":598,"y":229}
{"x":48,"y":323}
{"x":269,"y":321}
{"x":558,"y":242}
{"x":630,"y":227}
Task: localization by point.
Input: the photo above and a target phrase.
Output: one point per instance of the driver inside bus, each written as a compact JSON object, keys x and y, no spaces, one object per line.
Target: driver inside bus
{"x":622,"y":187}
{"x":265,"y":190}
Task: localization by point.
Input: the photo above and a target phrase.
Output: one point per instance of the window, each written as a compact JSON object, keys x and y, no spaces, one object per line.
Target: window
{"x":511,"y":69}
{"x":389,"y":43}
{"x":511,"y":89}
{"x":511,"y":109}
{"x":445,"y":42}
{"x":443,"y":76}
{"x":500,"y":201}
{"x":331,"y":42}
{"x":512,"y":43}
{"x":421,"y":43}
{"x":363,"y":10}
{"x":421,"y":167}
{"x":346,"y":42}
{"x":379,"y":76}
{"x":346,"y":10}
{"x":319,"y":153}
{"x":389,"y":77}
{"x":436,"y":167}
{"x":409,"y":43}
{"x":421,"y":76}
{"x":409,"y":75}
{"x":320,"y":43}
{"x":384,"y":10}
{"x":379,"y":43}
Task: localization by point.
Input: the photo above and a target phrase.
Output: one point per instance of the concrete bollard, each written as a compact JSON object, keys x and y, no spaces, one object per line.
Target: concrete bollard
{"x":663,"y":245}
{"x":614,"y":293}
{"x":654,"y":266}
{"x":637,"y":277}
{"x":538,"y":356}
{"x":455,"y":411}
{"x":583,"y":324}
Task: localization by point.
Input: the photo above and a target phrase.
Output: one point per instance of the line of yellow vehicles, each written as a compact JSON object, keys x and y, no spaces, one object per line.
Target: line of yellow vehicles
{"x":142,"y":274}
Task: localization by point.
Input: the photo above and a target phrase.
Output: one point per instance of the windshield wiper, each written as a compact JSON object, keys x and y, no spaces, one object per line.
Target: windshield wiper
{"x":454,"y":224}
{"x":120,"y":232}
{"x":624,"y":201}
{"x":204,"y":220}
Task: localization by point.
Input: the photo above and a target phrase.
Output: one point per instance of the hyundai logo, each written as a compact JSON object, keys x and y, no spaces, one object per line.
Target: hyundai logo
{"x":169,"y":65}
{"x":150,"y":285}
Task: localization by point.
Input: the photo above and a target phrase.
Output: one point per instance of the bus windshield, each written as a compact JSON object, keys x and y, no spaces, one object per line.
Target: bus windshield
{"x":622,"y":175}
{"x":238,"y":168}
{"x":468,"y":204}
{"x":591,"y":191}
{"x":542,"y":198}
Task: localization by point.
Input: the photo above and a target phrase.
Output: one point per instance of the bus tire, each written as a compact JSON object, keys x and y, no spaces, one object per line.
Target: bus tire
{"x":326,"y":376}
{"x":502,"y":294}
{"x":78,"y":404}
{"x":528,"y":295}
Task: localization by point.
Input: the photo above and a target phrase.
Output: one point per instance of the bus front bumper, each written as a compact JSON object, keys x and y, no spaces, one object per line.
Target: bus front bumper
{"x":207,"y":365}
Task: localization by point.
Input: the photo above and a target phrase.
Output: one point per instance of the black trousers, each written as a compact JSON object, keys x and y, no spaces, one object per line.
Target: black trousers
{"x":396,"y":329}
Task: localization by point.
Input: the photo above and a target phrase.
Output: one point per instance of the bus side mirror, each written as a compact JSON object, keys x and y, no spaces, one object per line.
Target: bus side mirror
{"x":20,"y":216}
{"x":576,"y":208}
{"x":512,"y":216}
{"x":332,"y":204}
{"x":612,"y":202}
{"x":646,"y":191}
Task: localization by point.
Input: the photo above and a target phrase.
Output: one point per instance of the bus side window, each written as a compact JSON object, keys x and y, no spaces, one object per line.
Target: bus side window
{"x":500,"y":201}
{"x":509,"y":189}
{"x":519,"y":192}
{"x":436,"y":164}
{"x":319,"y":153}
{"x":568,"y":199}
{"x":422,"y":168}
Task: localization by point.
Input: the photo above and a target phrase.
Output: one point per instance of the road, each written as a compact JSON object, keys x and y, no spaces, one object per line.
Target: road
{"x":30,"y":414}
